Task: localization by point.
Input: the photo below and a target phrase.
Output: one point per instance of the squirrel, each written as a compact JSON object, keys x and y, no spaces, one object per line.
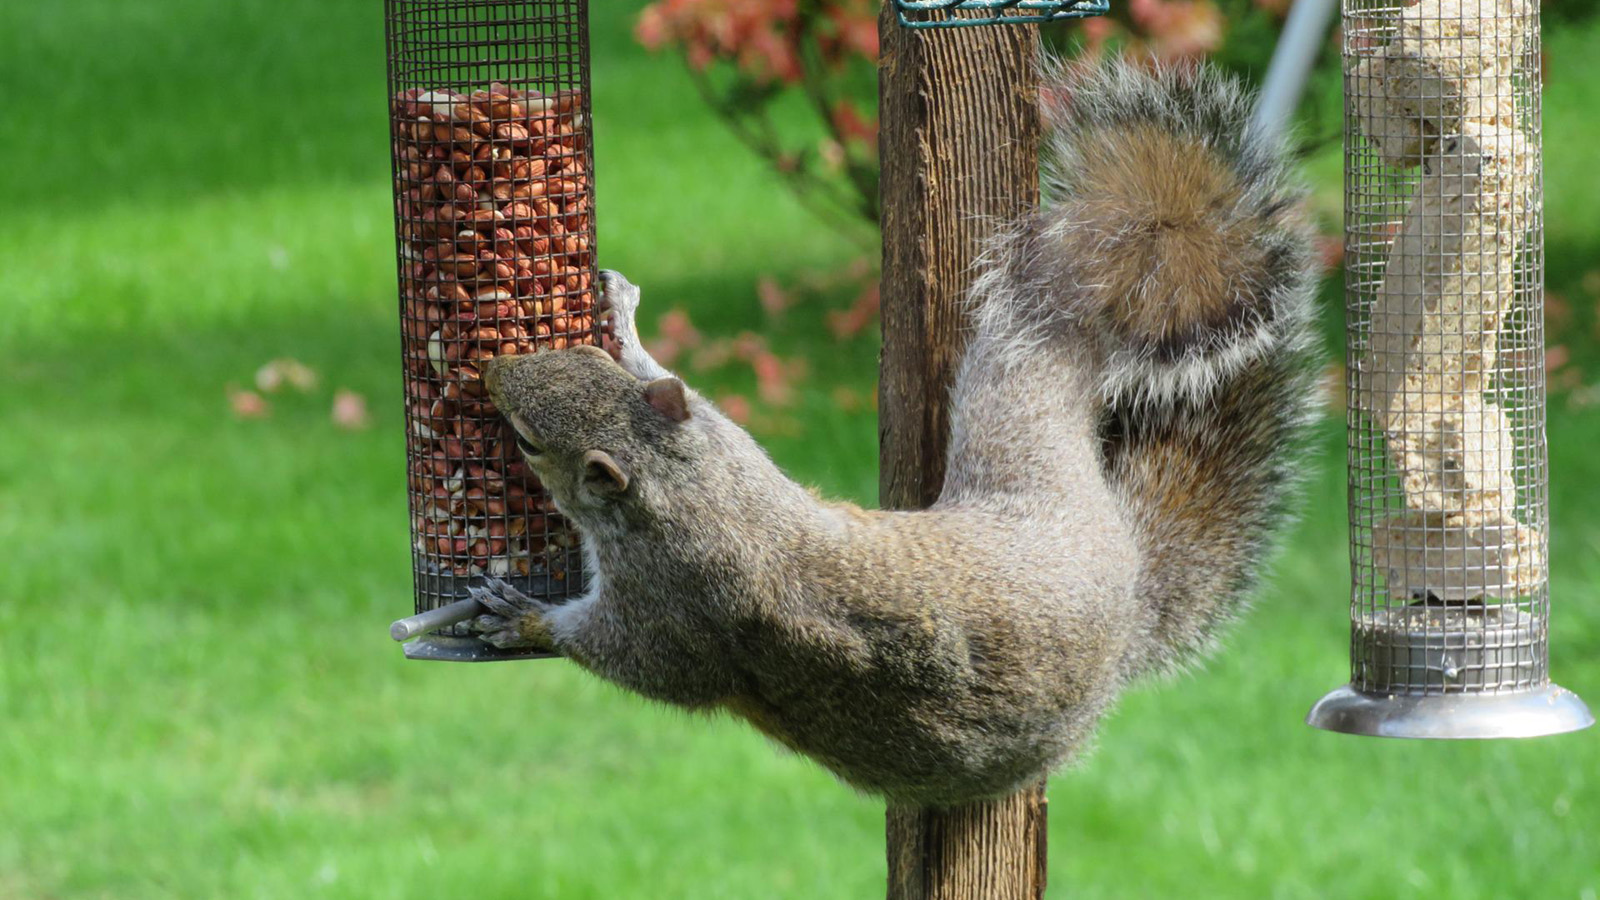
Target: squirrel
{"x":1127,"y":423}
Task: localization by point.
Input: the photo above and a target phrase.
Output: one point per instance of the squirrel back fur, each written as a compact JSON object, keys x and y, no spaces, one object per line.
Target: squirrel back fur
{"x":1172,"y":257}
{"x":1123,"y":436}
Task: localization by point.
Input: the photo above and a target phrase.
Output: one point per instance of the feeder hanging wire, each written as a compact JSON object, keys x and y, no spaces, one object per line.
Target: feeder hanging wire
{"x":935,"y":13}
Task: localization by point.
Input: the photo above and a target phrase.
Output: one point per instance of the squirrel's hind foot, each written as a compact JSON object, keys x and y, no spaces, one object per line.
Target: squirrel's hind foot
{"x":514,"y":620}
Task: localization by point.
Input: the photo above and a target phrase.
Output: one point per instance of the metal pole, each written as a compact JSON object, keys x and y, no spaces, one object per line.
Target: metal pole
{"x":1303,"y":34}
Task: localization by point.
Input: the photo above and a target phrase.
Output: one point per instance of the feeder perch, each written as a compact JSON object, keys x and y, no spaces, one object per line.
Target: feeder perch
{"x":937,"y":13}
{"x":1444,"y":280}
{"x":494,"y":239}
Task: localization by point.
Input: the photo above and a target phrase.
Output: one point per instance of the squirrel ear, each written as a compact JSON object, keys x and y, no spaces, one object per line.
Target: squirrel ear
{"x":600,"y":466}
{"x":667,"y":396}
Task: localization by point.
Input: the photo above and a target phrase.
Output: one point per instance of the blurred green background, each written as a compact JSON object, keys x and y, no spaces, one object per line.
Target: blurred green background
{"x":197,"y":694}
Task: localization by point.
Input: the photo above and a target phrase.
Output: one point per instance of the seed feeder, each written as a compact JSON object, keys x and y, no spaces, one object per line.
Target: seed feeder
{"x":937,"y":13}
{"x":494,"y":228}
{"x":1449,"y":526}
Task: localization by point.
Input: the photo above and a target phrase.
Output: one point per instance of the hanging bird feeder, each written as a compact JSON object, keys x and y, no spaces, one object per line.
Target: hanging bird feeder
{"x":494,"y":226}
{"x":1448,"y":484}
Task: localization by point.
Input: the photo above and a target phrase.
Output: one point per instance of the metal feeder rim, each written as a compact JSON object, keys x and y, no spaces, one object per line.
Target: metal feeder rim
{"x":1542,"y":711}
{"x":1021,"y":12}
{"x":1468,"y":648}
{"x":442,"y":648}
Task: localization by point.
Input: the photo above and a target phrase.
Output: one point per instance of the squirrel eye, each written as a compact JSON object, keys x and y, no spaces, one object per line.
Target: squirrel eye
{"x":528,"y":447}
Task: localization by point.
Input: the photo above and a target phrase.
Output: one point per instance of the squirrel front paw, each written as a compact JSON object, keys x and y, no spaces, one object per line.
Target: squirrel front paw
{"x":617,"y":306}
{"x":514,"y":620}
{"x":619,"y":299}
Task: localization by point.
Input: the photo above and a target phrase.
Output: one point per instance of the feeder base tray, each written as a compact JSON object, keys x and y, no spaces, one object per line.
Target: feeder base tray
{"x":462,"y":649}
{"x":1532,"y":713}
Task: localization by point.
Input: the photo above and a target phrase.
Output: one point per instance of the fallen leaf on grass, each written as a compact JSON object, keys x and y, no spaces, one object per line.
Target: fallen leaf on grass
{"x":350,"y":410}
{"x":247,"y":404}
{"x":275,"y":374}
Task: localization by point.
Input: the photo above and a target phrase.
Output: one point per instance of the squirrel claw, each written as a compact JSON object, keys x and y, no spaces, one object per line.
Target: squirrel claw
{"x":616,"y":307}
{"x":619,"y":298}
{"x":514,"y":619}
{"x":493,"y":630}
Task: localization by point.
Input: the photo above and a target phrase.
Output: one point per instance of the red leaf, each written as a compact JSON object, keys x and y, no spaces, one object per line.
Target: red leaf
{"x":735,"y":407}
{"x":774,"y":299}
{"x":853,"y":321}
{"x":1555,"y":357}
{"x":1330,"y":251}
{"x":674,"y":325}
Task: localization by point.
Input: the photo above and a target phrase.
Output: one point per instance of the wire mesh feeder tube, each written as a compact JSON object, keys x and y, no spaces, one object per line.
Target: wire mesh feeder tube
{"x":1444,"y":304}
{"x":494,"y":238}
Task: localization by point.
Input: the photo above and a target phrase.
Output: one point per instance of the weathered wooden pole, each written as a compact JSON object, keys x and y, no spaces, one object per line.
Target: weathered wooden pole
{"x":959,"y":149}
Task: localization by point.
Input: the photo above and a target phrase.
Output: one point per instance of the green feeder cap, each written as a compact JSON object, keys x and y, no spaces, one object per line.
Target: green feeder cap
{"x":921,"y":13}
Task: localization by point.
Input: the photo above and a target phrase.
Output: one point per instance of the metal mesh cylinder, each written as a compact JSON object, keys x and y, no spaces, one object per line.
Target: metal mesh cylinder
{"x":1444,"y":302}
{"x":494,"y":225}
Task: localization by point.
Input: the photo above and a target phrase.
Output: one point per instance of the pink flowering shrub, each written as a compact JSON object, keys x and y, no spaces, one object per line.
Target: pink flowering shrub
{"x":746,"y":56}
{"x":749,"y":59}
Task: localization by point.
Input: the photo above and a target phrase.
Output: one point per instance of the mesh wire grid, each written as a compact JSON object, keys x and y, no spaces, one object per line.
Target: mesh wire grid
{"x":1445,"y":362}
{"x":938,"y":13}
{"x":494,"y":225}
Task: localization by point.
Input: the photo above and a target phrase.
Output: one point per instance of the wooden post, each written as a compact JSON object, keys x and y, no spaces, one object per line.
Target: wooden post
{"x":959,"y":148}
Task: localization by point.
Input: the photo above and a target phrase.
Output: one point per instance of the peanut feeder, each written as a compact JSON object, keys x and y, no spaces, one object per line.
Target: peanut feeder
{"x":494,"y":227}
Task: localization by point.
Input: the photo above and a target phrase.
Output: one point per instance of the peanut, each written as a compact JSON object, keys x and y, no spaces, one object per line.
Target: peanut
{"x":494,"y":211}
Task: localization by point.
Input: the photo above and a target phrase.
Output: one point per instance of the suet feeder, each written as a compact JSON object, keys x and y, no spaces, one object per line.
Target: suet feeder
{"x":938,"y":13}
{"x":494,"y":228}
{"x":1444,"y":277}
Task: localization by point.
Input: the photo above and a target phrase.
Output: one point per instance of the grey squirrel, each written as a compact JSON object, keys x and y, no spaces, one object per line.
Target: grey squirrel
{"x":1124,"y":434}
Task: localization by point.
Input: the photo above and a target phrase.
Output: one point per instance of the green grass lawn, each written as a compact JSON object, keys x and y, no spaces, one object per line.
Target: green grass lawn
{"x":198,"y":698}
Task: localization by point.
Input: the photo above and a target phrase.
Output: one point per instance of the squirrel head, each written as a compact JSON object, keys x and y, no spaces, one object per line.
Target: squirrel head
{"x":590,"y":430}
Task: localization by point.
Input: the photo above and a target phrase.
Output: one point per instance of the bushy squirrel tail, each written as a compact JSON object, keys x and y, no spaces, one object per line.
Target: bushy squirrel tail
{"x":1171,"y":250}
